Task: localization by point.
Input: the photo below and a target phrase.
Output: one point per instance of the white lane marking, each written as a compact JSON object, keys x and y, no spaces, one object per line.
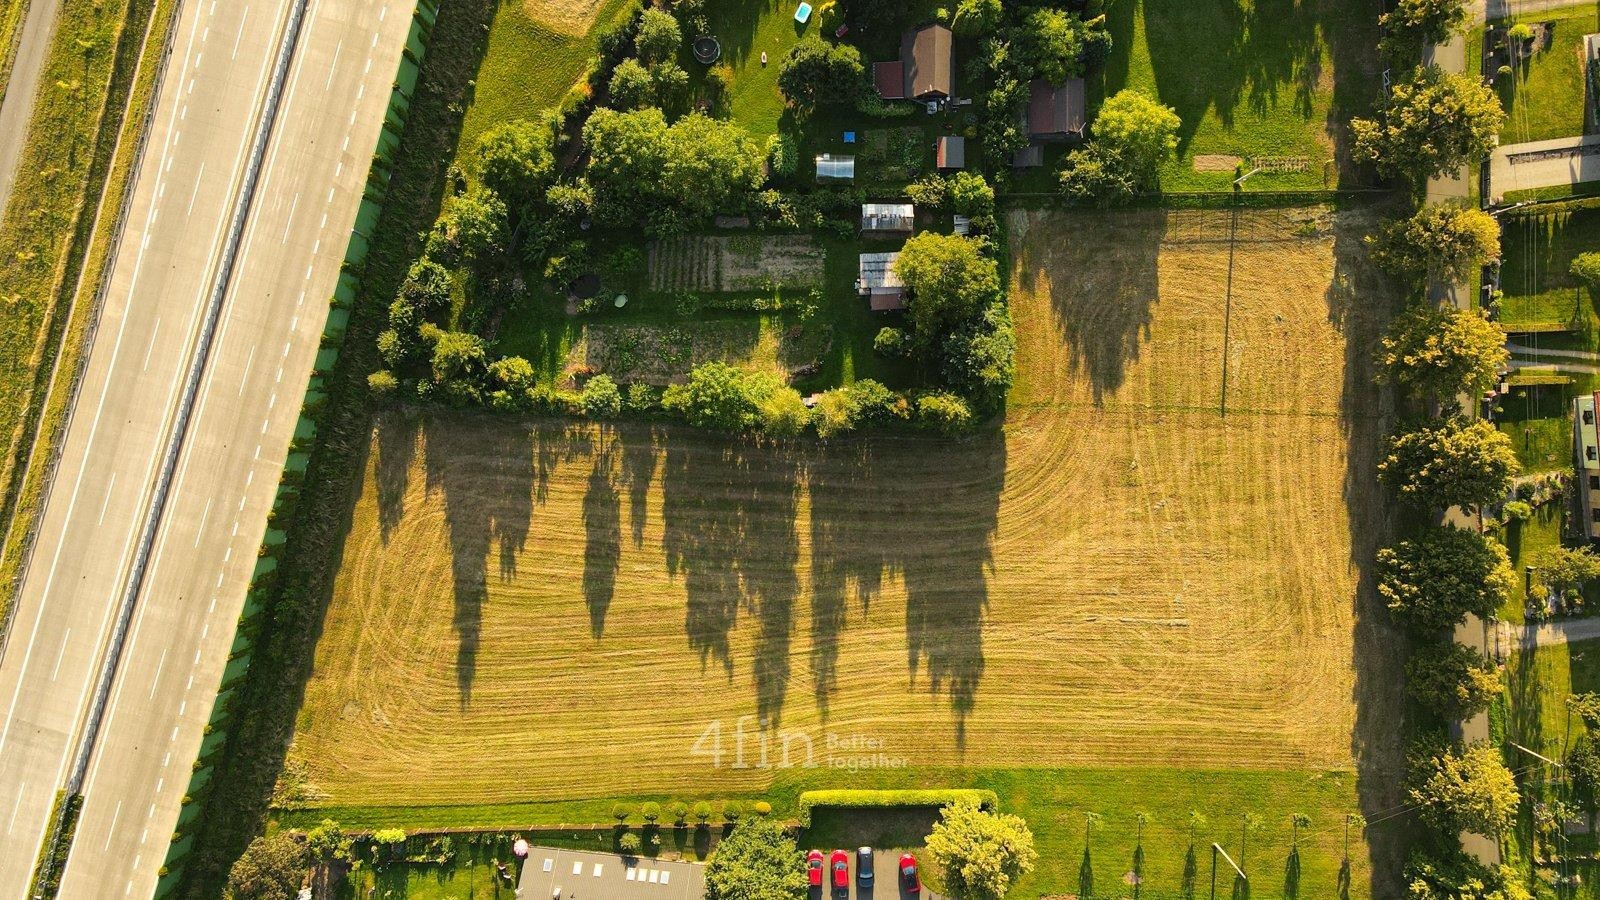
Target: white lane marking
{"x":159,"y":664}
{"x":22,"y":789}
{"x":198,"y":176}
{"x":248,"y":360}
{"x":368,"y":68}
{"x":289,"y":219}
{"x":361,"y":90}
{"x":65,"y":640}
{"x":242,"y":18}
{"x":198,"y":532}
{"x":111,"y":832}
{"x":205,"y":34}
{"x":332,"y":65}
{"x":183,"y":113}
{"x":382,"y":11}
{"x":155,"y":331}
{"x":107,"y":501}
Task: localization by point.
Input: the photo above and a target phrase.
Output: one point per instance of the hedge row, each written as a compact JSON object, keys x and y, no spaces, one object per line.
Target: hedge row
{"x":860,"y":799}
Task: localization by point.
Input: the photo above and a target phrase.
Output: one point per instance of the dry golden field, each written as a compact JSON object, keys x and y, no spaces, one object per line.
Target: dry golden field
{"x":1119,"y":576}
{"x":570,"y":17}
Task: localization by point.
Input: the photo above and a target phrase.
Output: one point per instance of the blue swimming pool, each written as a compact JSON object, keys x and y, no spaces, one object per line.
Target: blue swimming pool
{"x":802,"y":13}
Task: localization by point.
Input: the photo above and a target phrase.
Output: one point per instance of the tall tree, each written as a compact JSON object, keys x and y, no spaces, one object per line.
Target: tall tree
{"x":1055,"y":44}
{"x":982,"y":853}
{"x":949,"y":280}
{"x":1426,"y":21}
{"x":1442,"y":240}
{"x":758,"y":861}
{"x":1442,"y":353}
{"x":1433,"y":582}
{"x":1452,"y":679}
{"x":818,"y":72}
{"x":1471,"y":790}
{"x":1432,"y":124}
{"x":641,"y":168}
{"x":271,"y":868}
{"x":658,"y":37}
{"x":515,"y":161}
{"x":1138,"y":132}
{"x":1450,"y":463}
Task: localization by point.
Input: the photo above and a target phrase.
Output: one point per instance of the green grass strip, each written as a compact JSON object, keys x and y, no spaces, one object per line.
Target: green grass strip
{"x":53,"y":278}
{"x":57,"y":846}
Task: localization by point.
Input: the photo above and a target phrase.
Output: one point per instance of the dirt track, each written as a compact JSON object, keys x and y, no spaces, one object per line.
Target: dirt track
{"x":1121,"y":576}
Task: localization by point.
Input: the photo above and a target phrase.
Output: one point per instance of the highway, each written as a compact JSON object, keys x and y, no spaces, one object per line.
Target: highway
{"x":316,"y":164}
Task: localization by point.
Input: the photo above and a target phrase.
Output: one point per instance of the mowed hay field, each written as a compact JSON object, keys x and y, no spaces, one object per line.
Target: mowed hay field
{"x":1120,"y":576}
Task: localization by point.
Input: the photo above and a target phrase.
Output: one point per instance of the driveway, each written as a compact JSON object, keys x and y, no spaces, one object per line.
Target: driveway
{"x":1537,"y":164}
{"x":581,"y":875}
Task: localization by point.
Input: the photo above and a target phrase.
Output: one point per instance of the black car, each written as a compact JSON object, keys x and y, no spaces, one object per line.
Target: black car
{"x":864,"y":867}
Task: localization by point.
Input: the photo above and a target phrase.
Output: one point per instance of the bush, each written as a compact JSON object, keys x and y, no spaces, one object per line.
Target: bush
{"x":702,"y":812}
{"x":783,"y":157}
{"x":1586,"y":268}
{"x":1450,"y":463}
{"x":601,"y":400}
{"x":762,"y":808}
{"x":1452,"y":680}
{"x":890,"y":799}
{"x":680,"y":812}
{"x":642,"y":398}
{"x":620,"y":812}
{"x":732,"y":810}
{"x":891,"y":342}
{"x":629,"y":843}
{"x":389,"y":836}
{"x":944,"y":412}
{"x":652,"y":810}
{"x":1518,"y":511}
{"x":382,"y":384}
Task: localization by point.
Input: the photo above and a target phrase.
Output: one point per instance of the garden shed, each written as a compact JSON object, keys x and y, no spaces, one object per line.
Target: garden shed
{"x":887,"y":218}
{"x":879,"y":283}
{"x":952,"y":152}
{"x":1056,"y":113}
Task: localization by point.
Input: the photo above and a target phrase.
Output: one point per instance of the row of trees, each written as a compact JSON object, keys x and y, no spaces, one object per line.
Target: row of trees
{"x":1133,"y":135}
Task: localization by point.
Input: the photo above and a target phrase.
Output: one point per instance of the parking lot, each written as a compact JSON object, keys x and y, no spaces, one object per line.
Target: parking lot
{"x":886,"y":872}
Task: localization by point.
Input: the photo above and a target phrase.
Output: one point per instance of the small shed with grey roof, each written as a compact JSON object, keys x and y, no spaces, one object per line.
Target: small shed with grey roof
{"x":879,"y":283}
{"x":952,"y":152}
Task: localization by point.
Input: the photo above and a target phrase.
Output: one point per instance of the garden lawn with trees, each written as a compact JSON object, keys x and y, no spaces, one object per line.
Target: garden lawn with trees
{"x":1543,"y":93}
{"x":1270,"y":93}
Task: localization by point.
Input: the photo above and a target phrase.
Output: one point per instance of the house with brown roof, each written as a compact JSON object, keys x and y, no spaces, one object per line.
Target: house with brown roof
{"x":925,"y":69}
{"x":1056,"y":113}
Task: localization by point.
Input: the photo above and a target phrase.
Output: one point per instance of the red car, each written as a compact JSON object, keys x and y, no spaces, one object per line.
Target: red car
{"x":814,"y":868}
{"x":910,"y":881}
{"x":839,"y":862}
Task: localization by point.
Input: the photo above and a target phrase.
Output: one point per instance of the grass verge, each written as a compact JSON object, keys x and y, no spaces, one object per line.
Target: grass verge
{"x":11,"y":16}
{"x":63,"y":219}
{"x":1543,"y":95}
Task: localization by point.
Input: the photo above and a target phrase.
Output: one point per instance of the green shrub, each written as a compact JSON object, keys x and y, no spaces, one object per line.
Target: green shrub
{"x":859,"y":799}
{"x":762,"y":808}
{"x":680,"y":812}
{"x":783,"y":157}
{"x":652,"y":811}
{"x":732,"y":810}
{"x":1586,"y":268}
{"x":620,"y":812}
{"x":891,"y":342}
{"x":702,"y":812}
{"x":943,"y":412}
{"x":1518,"y":511}
{"x":600,"y":398}
{"x":629,"y":843}
{"x":382,"y":383}
{"x":642,"y":397}
{"x":389,"y":836}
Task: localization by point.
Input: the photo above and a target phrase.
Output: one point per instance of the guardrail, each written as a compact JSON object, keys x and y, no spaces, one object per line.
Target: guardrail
{"x":305,"y":431}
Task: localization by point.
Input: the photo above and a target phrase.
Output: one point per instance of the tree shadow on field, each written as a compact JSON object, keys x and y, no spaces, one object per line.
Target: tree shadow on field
{"x":489,"y":478}
{"x":1360,"y":302}
{"x":602,"y":534}
{"x":395,"y":444}
{"x":921,"y":507}
{"x":728,"y":510}
{"x":1101,"y":291}
{"x":639,"y":458}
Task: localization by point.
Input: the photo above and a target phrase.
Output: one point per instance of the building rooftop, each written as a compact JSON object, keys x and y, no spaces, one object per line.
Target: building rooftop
{"x":929,"y":57}
{"x":1056,"y":111}
{"x":888,"y":216}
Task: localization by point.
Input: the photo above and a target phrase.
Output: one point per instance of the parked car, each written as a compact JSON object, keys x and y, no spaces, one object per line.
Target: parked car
{"x":910,"y":880}
{"x":814,"y":868}
{"x":864,"y":866}
{"x":839,"y":862}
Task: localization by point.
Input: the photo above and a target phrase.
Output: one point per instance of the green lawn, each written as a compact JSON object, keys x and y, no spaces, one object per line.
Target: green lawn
{"x":1534,"y":715}
{"x":1525,"y":541}
{"x":746,"y":29}
{"x":1538,"y":419}
{"x":1537,"y":251}
{"x":1544,"y":95}
{"x":1052,"y":801}
{"x":526,"y":68}
{"x":1248,"y":79}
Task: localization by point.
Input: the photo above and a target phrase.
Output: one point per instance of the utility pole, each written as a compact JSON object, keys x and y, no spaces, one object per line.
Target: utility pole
{"x":1216,"y":850}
